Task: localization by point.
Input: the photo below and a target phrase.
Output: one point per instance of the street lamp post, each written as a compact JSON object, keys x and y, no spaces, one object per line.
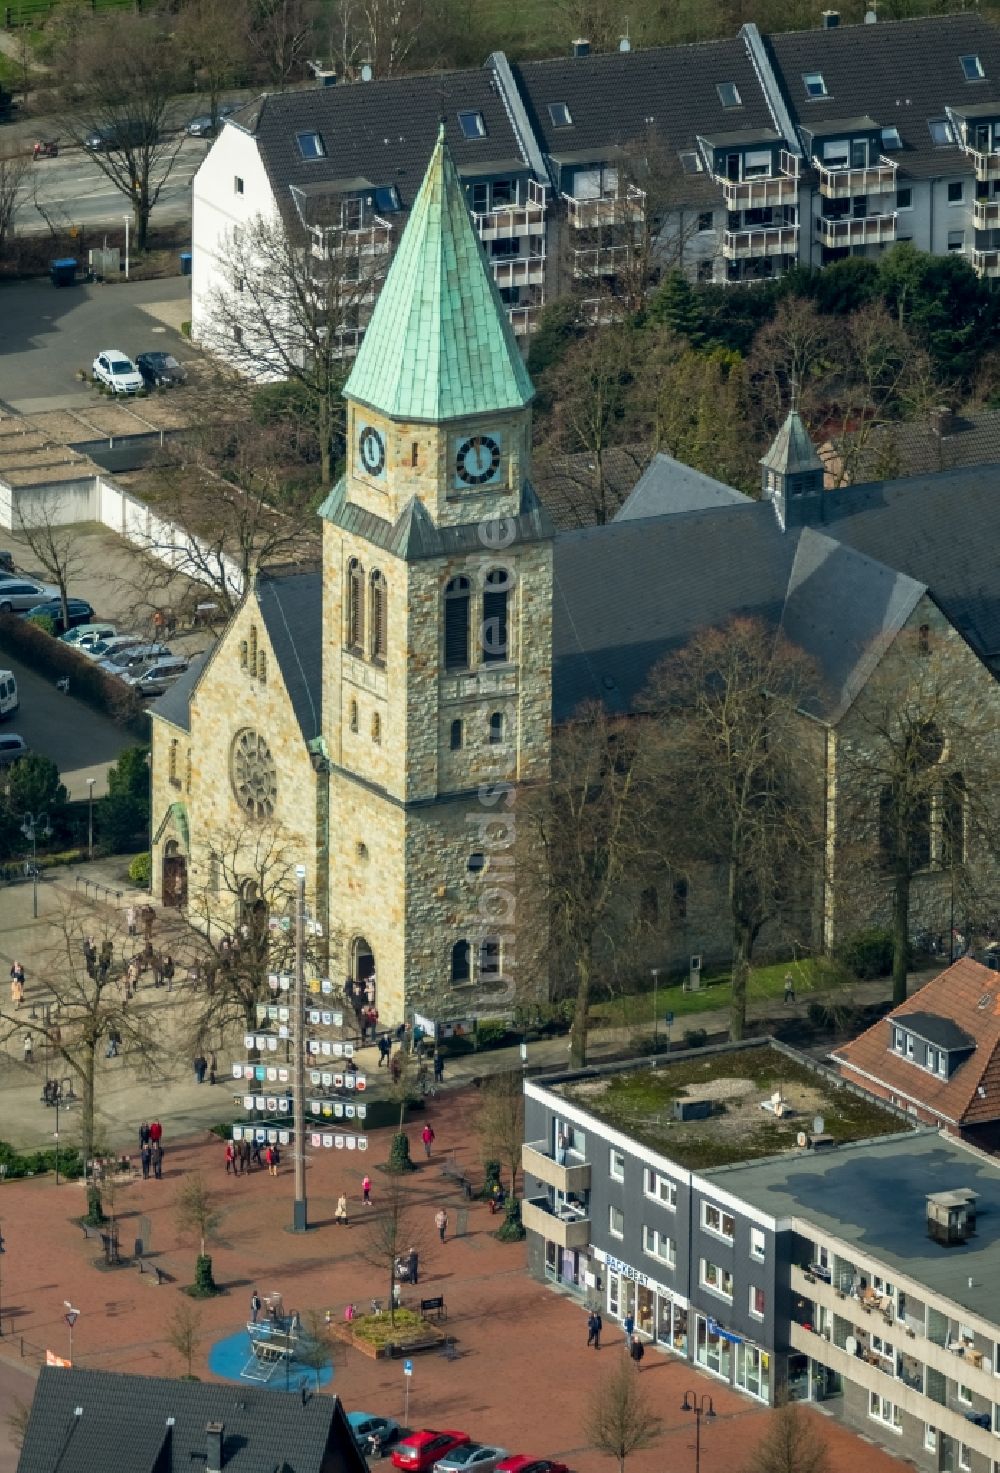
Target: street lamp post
{"x":3,"y":1250}
{"x":300,"y":1212}
{"x":90,"y":818}
{"x":31,"y":826}
{"x":702,"y":1407}
{"x":126,"y":218}
{"x":656,"y":1015}
{"x":71,"y":1316}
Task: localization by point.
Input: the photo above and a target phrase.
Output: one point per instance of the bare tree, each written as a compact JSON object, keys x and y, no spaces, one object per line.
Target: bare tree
{"x":391,"y":30}
{"x":390,"y":1235}
{"x":281,"y":34}
{"x":198,"y":1215}
{"x":620,"y":1421}
{"x":121,"y":75}
{"x":213,"y":42}
{"x":316,"y":1347}
{"x":500,"y":1121}
{"x":294,"y":295}
{"x":184,"y":1333}
{"x":13,"y":189}
{"x":17,"y":1421}
{"x":53,"y":541}
{"x":792,"y":1443}
{"x":733,"y":777}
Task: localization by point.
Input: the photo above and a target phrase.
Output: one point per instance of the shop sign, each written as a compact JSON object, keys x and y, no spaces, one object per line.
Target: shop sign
{"x":714,"y":1328}
{"x":626,"y":1271}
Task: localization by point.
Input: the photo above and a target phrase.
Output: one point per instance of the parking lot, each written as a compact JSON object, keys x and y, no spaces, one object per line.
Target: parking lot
{"x":47,"y":335}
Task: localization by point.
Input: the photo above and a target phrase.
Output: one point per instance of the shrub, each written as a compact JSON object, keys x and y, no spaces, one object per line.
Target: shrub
{"x":204,"y":1283}
{"x":140,"y":871}
{"x":695,"y":1038}
{"x":377,"y":1329}
{"x":34,"y":1163}
{"x":491,"y":1170}
{"x":512,"y":1229}
{"x":399,"y":1153}
{"x":51,"y":657}
{"x":44,"y":622}
{"x":868,"y":953}
{"x":490,"y":1033}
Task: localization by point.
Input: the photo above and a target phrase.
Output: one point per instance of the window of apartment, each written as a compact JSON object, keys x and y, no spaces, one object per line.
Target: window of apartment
{"x":706,"y":220}
{"x":660,"y":1188}
{"x":311,"y":145}
{"x":964,"y":1458}
{"x":616,"y":1222}
{"x":891,"y":139}
{"x":756,"y":161}
{"x":956,"y":192}
{"x":932,"y":1058}
{"x":942,"y":133}
{"x":972,"y":68}
{"x":691,"y":161}
{"x":705,"y":271}
{"x":836,"y":153}
{"x":904,"y":198}
{"x":882,"y":1347}
{"x":756,"y":1305}
{"x":387,"y":201}
{"x":472,"y":125}
{"x":814,"y":84}
{"x":716,"y":1278}
{"x":880,"y":1409}
{"x":715,"y":1220}
{"x":956,"y":240}
{"x":237,"y":185}
{"x":758,"y":1244}
{"x":657,"y":1245}
{"x":616,"y":1165}
{"x":942,"y":1064}
{"x":898,"y":1037}
{"x":908,"y":1041}
{"x":964,"y":1395}
{"x":930,"y":1438}
{"x":560,"y":115}
{"x":729,"y":94}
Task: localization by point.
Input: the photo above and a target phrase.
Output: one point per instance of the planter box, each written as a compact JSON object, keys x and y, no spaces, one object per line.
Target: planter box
{"x":406,"y":1343}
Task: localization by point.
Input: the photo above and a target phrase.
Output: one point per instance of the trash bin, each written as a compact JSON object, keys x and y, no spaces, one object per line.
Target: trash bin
{"x":185,"y":263}
{"x":63,"y":271}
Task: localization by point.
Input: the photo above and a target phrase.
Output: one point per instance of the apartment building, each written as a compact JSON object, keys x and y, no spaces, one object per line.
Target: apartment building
{"x":768,"y":1224}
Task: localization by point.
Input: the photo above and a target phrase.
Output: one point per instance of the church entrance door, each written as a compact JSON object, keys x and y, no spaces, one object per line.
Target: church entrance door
{"x":175,"y":885}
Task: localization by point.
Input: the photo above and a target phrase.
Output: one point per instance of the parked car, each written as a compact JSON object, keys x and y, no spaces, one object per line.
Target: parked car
{"x":85,"y":636}
{"x":7,"y":564}
{"x":202,"y":126}
{"x":160,"y":370}
{"x":117,"y":372}
{"x":366,"y":1425}
{"x":17,"y":595}
{"x":12,"y":749}
{"x":524,"y":1463}
{"x":131,"y":655}
{"x":105,"y":647}
{"x":421,"y":1450}
{"x":472,"y":1457}
{"x":152,"y":679}
{"x":8,"y":694}
{"x":120,"y":136}
{"x":79,"y":610}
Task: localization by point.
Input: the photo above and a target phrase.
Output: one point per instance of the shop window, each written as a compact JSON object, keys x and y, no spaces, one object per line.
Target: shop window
{"x":753,"y":1371}
{"x":616,"y":1222}
{"x":711,"y":1351}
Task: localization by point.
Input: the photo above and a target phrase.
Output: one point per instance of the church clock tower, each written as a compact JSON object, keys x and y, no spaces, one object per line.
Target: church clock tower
{"x":437,"y":637}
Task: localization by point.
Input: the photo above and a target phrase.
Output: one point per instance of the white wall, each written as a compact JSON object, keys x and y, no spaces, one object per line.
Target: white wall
{"x":217,"y":209}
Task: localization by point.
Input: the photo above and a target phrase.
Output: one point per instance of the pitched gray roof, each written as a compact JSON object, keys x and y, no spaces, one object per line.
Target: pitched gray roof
{"x":970,"y":438}
{"x":792,"y":451}
{"x":174,"y":705}
{"x":414,"y":535}
{"x":291,"y":606}
{"x":668,"y":486}
{"x":943,"y":1032}
{"x":139,"y":1424}
{"x":567,"y":485}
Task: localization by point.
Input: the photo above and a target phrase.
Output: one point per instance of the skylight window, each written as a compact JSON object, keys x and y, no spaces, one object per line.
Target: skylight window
{"x":942,"y":133}
{"x":729,"y":94}
{"x":472,"y":125}
{"x":387,"y":199}
{"x":814,"y":84}
{"x":691,"y":161}
{"x":972,"y":68}
{"x":311,"y":145}
{"x":891,"y":139}
{"x":560,"y":115}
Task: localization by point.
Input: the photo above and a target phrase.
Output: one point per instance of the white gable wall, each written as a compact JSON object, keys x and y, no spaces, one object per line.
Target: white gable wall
{"x":218,"y":208}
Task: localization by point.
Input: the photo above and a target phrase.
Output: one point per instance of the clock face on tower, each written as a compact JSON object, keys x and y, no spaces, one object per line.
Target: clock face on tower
{"x":477,"y":460}
{"x":371,"y":451}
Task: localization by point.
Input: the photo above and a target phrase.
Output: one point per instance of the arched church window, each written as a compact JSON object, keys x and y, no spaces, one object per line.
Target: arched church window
{"x":253,"y":649}
{"x":460,"y":961}
{"x":262,"y":667}
{"x":924,"y":639}
{"x":953,"y":821}
{"x":244,"y":654}
{"x":457,"y":600}
{"x":378,"y":618}
{"x":172,"y":768}
{"x":355,"y":607}
{"x":495,"y":616}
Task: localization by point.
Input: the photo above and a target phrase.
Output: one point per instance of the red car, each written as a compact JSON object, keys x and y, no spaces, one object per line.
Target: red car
{"x":421,"y":1450}
{"x":522,"y":1463}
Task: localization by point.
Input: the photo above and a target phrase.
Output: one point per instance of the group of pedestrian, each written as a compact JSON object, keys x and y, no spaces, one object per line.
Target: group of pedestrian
{"x":203,"y":1067}
{"x":243,"y":1155}
{"x":151,"y":1149}
{"x":17,"y":984}
{"x":368,"y":1022}
{"x":633,"y":1344}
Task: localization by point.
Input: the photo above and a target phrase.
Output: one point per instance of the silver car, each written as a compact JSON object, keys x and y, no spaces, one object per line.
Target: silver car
{"x":17,"y":595}
{"x":131,"y":655}
{"x":474,"y":1457}
{"x":153,"y":678}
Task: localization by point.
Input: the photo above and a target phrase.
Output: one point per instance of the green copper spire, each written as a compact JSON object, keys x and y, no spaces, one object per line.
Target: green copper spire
{"x":439,"y":345}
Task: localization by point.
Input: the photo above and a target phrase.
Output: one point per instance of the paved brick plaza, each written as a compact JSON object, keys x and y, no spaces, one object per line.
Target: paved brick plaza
{"x":524,"y":1373}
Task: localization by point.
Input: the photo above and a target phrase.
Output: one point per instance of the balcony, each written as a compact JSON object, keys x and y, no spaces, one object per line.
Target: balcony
{"x":539,"y":1162}
{"x":374,"y":239}
{"x":519,"y":271}
{"x":880,"y":178}
{"x":524,"y":320}
{"x":986,"y":213}
{"x":869,"y":230}
{"x":986,"y":263}
{"x":759,"y":194}
{"x":986,"y":165}
{"x":510,"y":221}
{"x":760,"y":240}
{"x":619,"y":209}
{"x":567,"y":1229}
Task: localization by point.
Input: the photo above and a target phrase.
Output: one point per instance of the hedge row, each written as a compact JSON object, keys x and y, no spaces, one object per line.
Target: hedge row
{"x":48,"y":656}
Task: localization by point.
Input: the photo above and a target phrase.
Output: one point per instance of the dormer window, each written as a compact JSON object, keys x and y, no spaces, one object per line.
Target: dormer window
{"x":891,"y":139}
{"x":472,"y":125}
{"x":311,"y":145}
{"x":691,"y":161}
{"x":941,"y":131}
{"x":814,"y":84}
{"x":560,"y":115}
{"x":972,"y":68}
{"x":898,"y":1038}
{"x":729,"y":94}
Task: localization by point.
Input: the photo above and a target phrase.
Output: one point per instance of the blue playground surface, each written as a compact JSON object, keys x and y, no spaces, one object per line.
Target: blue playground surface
{"x":228,"y":1357}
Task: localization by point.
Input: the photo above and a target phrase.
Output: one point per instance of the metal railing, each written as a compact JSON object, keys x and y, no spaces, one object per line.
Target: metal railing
{"x":868,"y":230}
{"x":583,"y":214}
{"x":759,"y":194}
{"x":985,"y":213}
{"x":986,"y":165}
{"x":506,"y":221}
{"x":847,"y":183}
{"x":760,"y":240}
{"x":519,"y":271}
{"x":986,"y":263}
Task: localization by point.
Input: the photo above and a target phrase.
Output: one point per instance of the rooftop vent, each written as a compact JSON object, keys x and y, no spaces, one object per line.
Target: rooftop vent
{"x":687,"y":1109}
{"x":581,"y":46}
{"x":951,"y":1216}
{"x":214,"y":1435}
{"x":830,"y":19}
{"x":624,"y":44}
{"x":871,"y":17}
{"x":366,"y":71}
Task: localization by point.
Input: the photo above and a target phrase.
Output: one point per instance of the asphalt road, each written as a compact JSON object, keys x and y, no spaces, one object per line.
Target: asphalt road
{"x":71,"y":190}
{"x":48,"y":334}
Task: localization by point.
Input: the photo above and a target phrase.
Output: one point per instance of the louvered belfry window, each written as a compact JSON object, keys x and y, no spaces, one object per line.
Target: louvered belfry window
{"x":355,"y":607}
{"x":379,"y":625}
{"x":457,"y":597}
{"x":495,"y":632}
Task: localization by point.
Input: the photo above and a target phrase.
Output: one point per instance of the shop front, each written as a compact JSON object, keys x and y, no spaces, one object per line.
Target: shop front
{"x":660,"y":1314}
{"x":733,"y":1358}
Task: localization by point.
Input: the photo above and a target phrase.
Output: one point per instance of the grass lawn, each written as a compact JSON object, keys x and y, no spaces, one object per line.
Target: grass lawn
{"x":811,"y":975}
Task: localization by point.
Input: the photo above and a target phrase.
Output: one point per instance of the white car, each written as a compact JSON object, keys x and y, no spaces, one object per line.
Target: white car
{"x":118,"y":372}
{"x":105,"y":647}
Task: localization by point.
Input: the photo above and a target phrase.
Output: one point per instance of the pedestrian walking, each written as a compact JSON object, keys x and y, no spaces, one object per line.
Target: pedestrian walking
{"x":156,"y":1153}
{"x":366,"y":1191}
{"x":200,"y":1065}
{"x":254,"y":1306}
{"x":244,"y":1156}
{"x":29,"y":1049}
{"x":148,"y":917}
{"x":340,"y":1214}
{"x":628,"y":1325}
{"x":438,"y":1066}
{"x":591,"y":1327}
{"x":396,"y":1067}
{"x":130,"y":920}
{"x":146,"y":1157}
{"x":789,"y":987}
{"x":441,"y":1222}
{"x":637,"y":1351}
{"x":230,"y":1159}
{"x":384,"y":1049}
{"x":213,"y":1065}
{"x":269,"y":1161}
{"x":17,"y":984}
{"x":106,"y":957}
{"x":168,"y":971}
{"x":427,"y":1136}
{"x":143,"y":1134}
{"x":598,"y":1327}
{"x":413,"y":1265}
{"x":114,"y":1044}
{"x":156,"y":1132}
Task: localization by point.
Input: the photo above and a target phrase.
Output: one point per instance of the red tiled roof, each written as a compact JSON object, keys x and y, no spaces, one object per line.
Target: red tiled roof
{"x":968,"y":994}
